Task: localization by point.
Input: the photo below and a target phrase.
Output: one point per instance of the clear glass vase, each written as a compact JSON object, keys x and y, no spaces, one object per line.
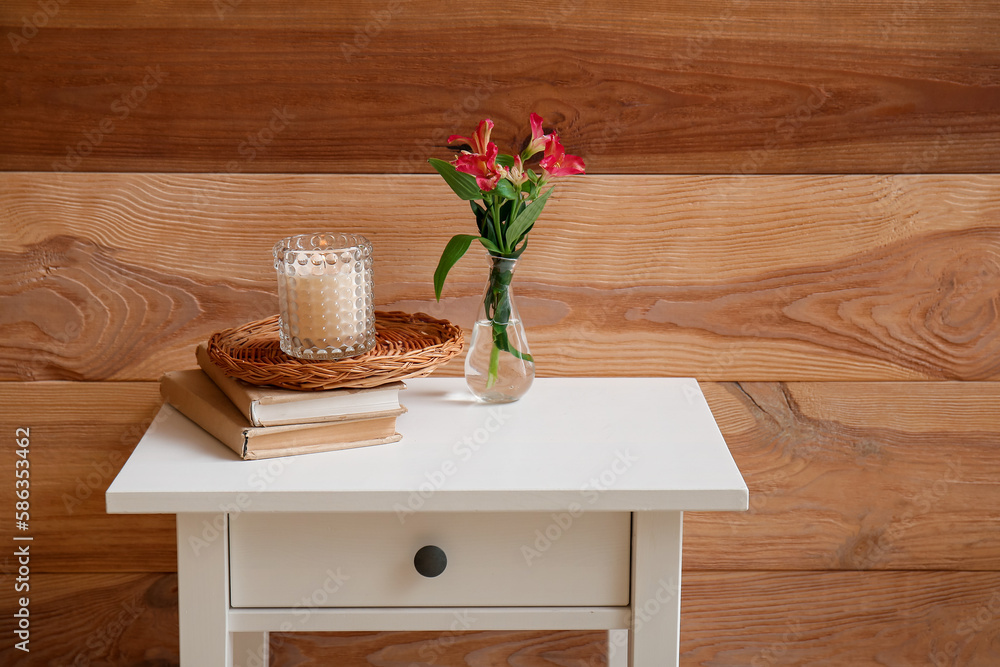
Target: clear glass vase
{"x":499,"y":368}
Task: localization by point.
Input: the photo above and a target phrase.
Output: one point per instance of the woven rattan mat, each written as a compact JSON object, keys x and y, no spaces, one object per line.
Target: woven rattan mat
{"x":407,"y":346}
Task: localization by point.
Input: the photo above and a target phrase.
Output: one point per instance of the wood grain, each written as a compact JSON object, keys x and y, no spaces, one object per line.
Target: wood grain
{"x":866,"y":20}
{"x":110,"y":276}
{"x":830,"y":488}
{"x":841,"y":618}
{"x":729,"y":618}
{"x":647,"y":87}
{"x":911,"y":480}
{"x":81,"y":435}
{"x":111,"y":620}
{"x":424,"y":649}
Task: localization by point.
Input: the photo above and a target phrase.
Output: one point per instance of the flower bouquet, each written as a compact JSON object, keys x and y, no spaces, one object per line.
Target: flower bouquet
{"x":506,"y":197}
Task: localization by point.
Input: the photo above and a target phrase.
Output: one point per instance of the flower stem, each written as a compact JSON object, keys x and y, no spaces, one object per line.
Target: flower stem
{"x":491,"y":375}
{"x":501,"y":241}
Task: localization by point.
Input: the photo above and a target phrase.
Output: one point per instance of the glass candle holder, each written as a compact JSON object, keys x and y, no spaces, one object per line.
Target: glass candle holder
{"x":325,"y":295}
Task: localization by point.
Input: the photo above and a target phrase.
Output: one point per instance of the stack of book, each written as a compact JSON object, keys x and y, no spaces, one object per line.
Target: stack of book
{"x":265,"y":422}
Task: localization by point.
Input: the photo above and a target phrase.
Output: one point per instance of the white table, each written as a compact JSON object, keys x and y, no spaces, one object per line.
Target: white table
{"x":562,"y":511}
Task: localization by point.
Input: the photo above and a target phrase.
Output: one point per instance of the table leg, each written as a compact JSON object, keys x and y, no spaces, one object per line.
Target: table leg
{"x":618,"y":648}
{"x":203,"y":590}
{"x":250,"y":649}
{"x":654,"y":640}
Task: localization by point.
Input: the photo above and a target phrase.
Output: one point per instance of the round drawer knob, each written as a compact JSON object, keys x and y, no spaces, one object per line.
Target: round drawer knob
{"x":430,"y":561}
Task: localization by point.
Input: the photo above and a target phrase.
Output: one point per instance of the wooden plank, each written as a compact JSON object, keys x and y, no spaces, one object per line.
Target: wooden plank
{"x":728,"y":618}
{"x":723,"y":278}
{"x":81,"y":435}
{"x":648,"y":87}
{"x":117,"y":620}
{"x":829,"y":487}
{"x":911,"y":480}
{"x":838,"y":20}
{"x":844,"y":618}
{"x":426,"y":649}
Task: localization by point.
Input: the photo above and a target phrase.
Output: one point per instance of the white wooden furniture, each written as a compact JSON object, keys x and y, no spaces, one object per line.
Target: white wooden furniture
{"x":561,"y":511}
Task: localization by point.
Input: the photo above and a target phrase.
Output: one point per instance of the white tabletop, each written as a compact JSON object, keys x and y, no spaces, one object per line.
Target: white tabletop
{"x":605,"y":444}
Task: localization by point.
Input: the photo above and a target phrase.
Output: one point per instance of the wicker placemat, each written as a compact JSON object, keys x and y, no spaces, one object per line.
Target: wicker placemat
{"x":407,"y":346}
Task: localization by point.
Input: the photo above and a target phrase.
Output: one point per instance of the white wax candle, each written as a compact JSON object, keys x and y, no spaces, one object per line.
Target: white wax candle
{"x":329,"y":314}
{"x":324,"y":290}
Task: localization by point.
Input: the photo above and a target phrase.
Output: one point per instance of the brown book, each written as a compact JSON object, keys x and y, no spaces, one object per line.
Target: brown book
{"x":198,"y":398}
{"x":273,"y":406}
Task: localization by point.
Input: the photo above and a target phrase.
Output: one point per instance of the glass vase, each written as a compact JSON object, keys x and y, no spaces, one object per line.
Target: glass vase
{"x":499,"y":368}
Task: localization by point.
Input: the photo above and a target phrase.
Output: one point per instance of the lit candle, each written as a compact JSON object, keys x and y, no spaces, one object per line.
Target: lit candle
{"x":325,"y":294}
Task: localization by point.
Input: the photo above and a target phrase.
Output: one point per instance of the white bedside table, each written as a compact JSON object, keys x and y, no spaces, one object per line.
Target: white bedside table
{"x":562,"y":511}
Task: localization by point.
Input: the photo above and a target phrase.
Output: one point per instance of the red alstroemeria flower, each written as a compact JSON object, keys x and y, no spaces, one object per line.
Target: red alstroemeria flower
{"x":480,"y":138}
{"x":538,"y":137}
{"x":483,"y":166}
{"x":556,"y":162}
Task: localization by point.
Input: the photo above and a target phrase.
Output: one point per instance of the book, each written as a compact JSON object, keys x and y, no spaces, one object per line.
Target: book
{"x":273,"y":406}
{"x":198,"y":398}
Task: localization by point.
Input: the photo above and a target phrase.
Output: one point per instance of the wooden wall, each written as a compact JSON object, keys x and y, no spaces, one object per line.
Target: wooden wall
{"x":799,"y":204}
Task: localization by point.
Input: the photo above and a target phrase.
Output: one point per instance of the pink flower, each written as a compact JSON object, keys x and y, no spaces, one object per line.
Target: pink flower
{"x":556,"y":162}
{"x":538,"y":137}
{"x":481,"y":165}
{"x":516,"y":173}
{"x":479,"y":140}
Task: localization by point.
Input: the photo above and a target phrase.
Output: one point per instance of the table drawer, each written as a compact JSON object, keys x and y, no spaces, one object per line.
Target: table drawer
{"x":367,"y":560}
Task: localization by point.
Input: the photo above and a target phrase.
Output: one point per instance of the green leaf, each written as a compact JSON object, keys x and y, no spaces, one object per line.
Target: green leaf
{"x":489,"y":231}
{"x":505,"y":208}
{"x":500,"y":339}
{"x":520,"y":355}
{"x":505,"y":160}
{"x":464,"y":185}
{"x":506,"y":189}
{"x":501,"y":315}
{"x":453,"y":252}
{"x":481,"y":219}
{"x":520,"y":225}
{"x":517,"y":251}
{"x":489,"y":245}
{"x":502,"y":342}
